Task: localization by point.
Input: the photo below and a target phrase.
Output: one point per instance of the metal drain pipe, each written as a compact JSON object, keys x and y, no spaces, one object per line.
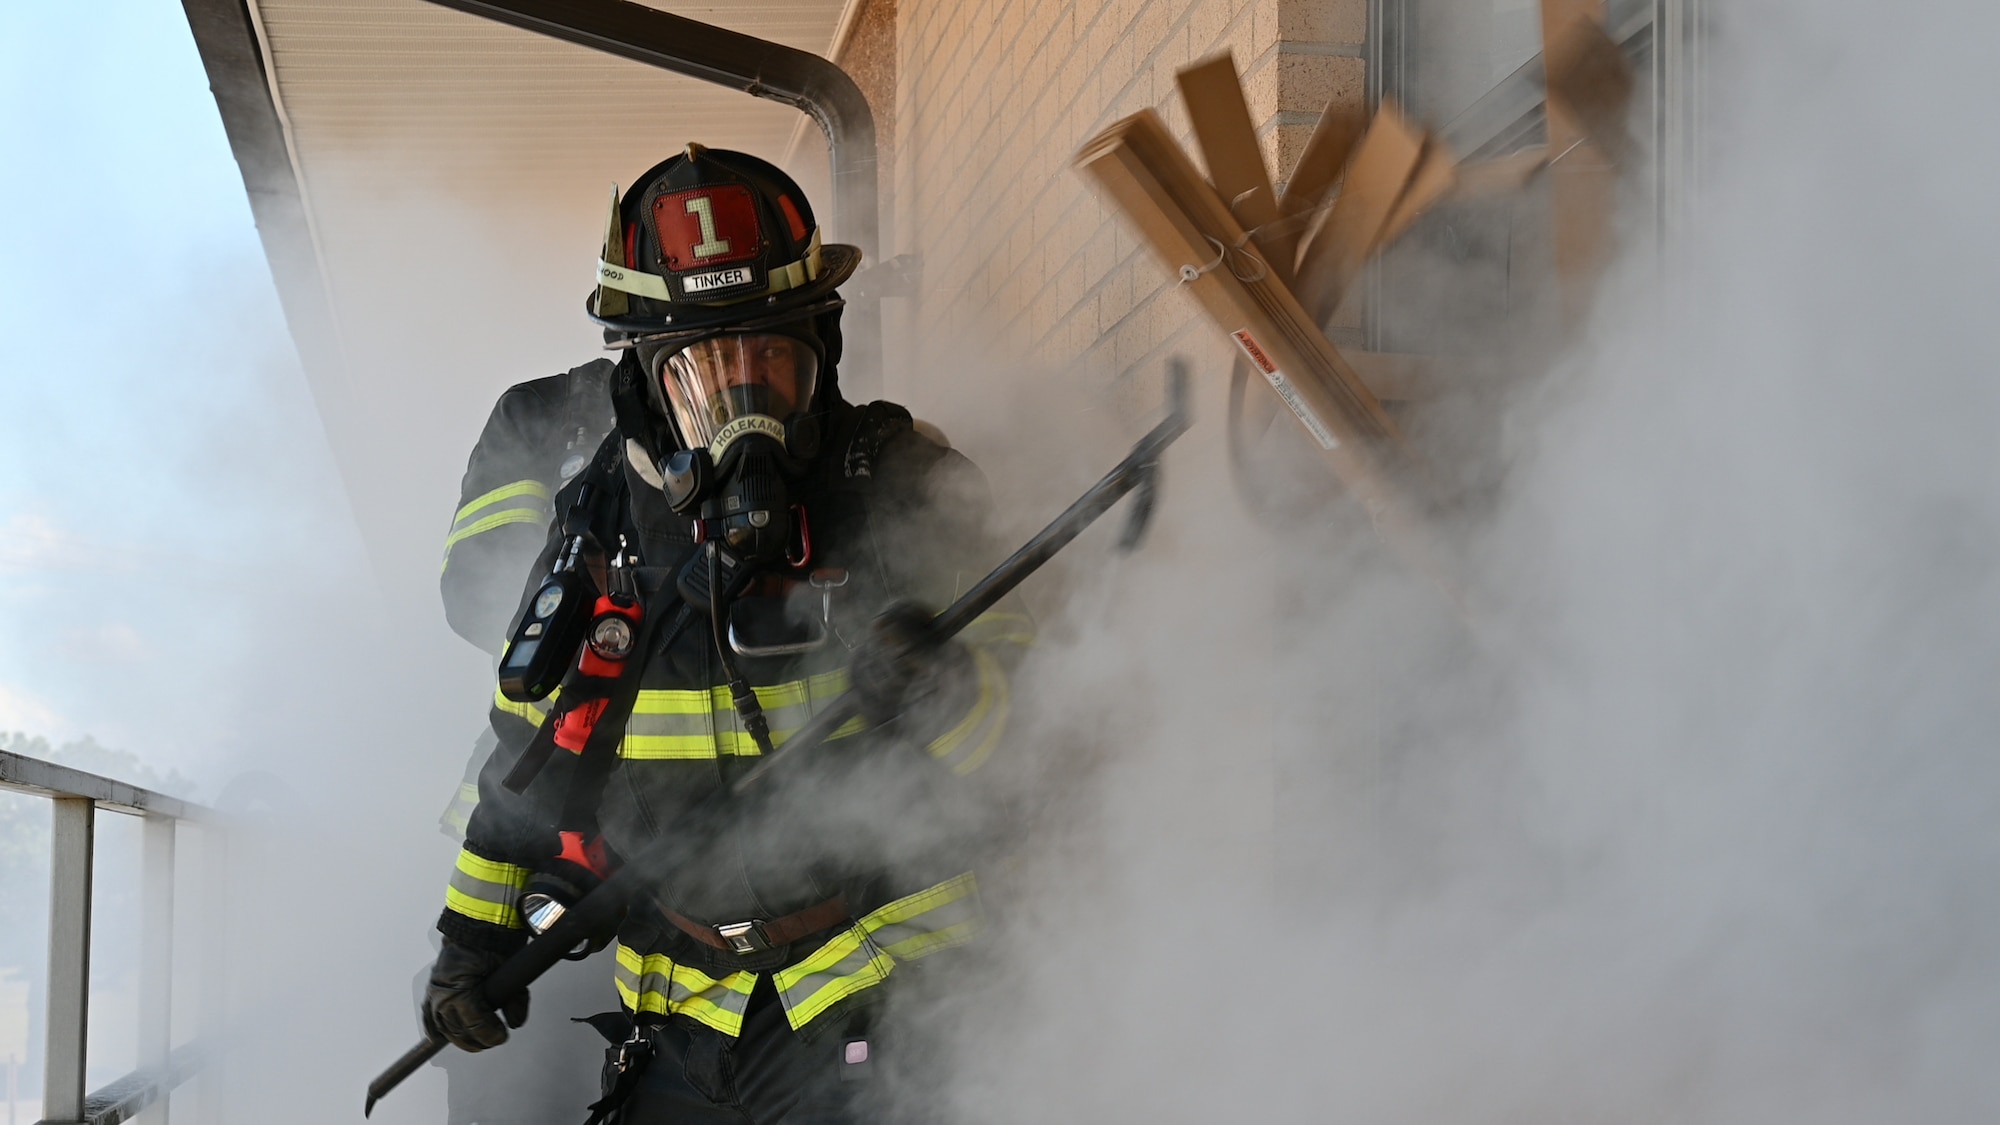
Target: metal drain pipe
{"x":758,"y":67}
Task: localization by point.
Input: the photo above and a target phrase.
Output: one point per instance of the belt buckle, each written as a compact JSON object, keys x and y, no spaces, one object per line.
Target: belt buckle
{"x":744,"y":937}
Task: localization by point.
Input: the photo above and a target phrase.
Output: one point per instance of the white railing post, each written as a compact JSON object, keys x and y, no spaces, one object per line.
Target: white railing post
{"x":212,"y":983}
{"x":72,"y":846}
{"x":156,"y":953}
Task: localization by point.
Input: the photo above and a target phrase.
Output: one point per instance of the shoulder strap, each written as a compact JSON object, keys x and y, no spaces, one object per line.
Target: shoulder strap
{"x":606,"y":475}
{"x":860,"y":438}
{"x":587,"y":403}
{"x":600,"y":750}
{"x":665,"y":612}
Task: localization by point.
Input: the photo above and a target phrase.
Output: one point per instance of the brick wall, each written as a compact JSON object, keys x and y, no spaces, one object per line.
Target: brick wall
{"x":1020,"y":256}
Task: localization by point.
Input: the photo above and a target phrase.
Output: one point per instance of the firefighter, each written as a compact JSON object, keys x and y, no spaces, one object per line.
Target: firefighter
{"x":539,"y":436}
{"x":756,"y":546}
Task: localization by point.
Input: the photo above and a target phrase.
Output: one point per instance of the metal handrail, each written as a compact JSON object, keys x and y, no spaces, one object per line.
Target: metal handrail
{"x":75,"y":797}
{"x":133,"y":1094}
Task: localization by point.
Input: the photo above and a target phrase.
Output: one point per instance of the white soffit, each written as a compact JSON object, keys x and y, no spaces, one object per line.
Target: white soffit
{"x":454,"y":174}
{"x":460,"y":96}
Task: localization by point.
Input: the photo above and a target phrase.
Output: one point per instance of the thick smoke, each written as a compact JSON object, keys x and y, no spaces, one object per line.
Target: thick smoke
{"x":1702,"y":829}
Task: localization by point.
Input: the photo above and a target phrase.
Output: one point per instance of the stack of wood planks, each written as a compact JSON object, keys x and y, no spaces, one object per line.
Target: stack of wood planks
{"x":1270,"y":268}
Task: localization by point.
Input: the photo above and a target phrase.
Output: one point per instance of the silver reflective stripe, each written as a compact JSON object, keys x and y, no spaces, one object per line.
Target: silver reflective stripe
{"x":966,"y":746}
{"x":697,"y":723}
{"x":643,"y":984}
{"x":664,"y":987}
{"x":783,"y":720}
{"x":718,"y":1005}
{"x":861,"y":965}
{"x":485,"y":890}
{"x":664,"y":725}
{"x":864,"y":954}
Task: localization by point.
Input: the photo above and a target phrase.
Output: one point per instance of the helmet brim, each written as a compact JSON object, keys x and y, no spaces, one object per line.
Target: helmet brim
{"x":838,"y":261}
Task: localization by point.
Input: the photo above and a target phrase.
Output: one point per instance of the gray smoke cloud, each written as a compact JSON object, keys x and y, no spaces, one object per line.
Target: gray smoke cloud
{"x":1701,"y":829}
{"x":1704,"y":829}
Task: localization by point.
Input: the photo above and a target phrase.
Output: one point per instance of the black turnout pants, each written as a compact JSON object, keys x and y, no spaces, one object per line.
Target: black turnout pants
{"x":769,"y":1076}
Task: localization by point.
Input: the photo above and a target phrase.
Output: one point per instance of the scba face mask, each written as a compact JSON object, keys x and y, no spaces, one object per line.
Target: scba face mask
{"x":741,"y":402}
{"x":719,"y":386}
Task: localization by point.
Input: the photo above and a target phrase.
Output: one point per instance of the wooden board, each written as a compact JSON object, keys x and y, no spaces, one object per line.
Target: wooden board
{"x":1228,"y":142}
{"x":1436,"y":172}
{"x":1582,"y":181}
{"x":1590,"y":84}
{"x":1326,"y":153}
{"x":1147,"y":176}
{"x":1382,"y":166}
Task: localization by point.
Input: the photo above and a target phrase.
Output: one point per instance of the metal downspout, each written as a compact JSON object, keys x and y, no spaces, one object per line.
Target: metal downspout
{"x":755,"y":66}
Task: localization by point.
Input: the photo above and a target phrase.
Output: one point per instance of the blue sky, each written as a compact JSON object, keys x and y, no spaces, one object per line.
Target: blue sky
{"x":158,"y":446}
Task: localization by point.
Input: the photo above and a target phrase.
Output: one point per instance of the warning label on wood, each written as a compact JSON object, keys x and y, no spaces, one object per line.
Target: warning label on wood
{"x":1284,"y":388}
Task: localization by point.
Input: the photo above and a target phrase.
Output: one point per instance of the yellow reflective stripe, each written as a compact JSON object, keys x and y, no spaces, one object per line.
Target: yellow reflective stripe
{"x":654,"y":983}
{"x":835,"y":971}
{"x":715,"y":700}
{"x":864,"y":954}
{"x":633,"y":975}
{"x":492,"y":870}
{"x":693,"y":724}
{"x":499,"y":914}
{"x":691,"y":747}
{"x":485,"y":889}
{"x":533,"y":488}
{"x":925,"y":922}
{"x":536,"y":713}
{"x":693,"y":702}
{"x":488,"y":523}
{"x":639,"y":283}
{"x":996,"y":627}
{"x":702,"y":747}
{"x":989,"y":713}
{"x":720,"y":1003}
{"x":458,"y":815}
{"x":794,"y":274}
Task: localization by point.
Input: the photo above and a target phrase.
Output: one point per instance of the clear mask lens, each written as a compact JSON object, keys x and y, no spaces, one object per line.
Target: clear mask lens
{"x":715,"y":381}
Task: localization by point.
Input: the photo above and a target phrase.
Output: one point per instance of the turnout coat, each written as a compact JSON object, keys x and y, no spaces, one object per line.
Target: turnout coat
{"x":871,"y":841}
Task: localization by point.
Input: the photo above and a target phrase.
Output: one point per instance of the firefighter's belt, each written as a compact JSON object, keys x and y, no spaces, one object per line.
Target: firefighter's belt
{"x":757,"y":935}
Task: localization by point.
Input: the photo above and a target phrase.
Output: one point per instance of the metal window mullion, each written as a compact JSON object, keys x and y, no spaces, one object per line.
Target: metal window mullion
{"x":1677,"y":109}
{"x":72,"y":848}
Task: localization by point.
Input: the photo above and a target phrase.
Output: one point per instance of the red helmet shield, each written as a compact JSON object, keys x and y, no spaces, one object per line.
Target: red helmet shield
{"x":707,"y":226}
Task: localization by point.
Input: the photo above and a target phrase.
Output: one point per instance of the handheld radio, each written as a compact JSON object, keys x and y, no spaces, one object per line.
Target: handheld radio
{"x":543,"y":647}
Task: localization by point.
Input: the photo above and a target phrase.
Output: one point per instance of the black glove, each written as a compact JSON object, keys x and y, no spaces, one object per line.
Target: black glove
{"x":899,"y":670}
{"x":454,"y":1007}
